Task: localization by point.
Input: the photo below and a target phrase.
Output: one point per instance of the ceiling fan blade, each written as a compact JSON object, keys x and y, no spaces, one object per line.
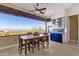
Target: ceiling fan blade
{"x":31,"y":10}
{"x":41,"y":12}
{"x":42,"y":9}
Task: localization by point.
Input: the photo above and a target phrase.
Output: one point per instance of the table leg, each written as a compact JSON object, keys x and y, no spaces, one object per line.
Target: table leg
{"x":25,"y":48}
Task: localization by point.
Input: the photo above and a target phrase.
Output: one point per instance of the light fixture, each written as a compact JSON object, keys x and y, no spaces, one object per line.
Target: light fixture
{"x":36,"y":12}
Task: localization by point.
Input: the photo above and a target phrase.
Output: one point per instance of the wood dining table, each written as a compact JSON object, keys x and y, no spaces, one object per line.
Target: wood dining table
{"x":30,"y":37}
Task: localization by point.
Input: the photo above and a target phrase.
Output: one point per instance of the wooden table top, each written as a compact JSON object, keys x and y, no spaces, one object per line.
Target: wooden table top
{"x":26,"y":37}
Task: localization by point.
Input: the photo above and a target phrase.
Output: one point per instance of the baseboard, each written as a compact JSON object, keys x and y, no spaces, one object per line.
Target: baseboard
{"x":73,"y":41}
{"x":8,"y":46}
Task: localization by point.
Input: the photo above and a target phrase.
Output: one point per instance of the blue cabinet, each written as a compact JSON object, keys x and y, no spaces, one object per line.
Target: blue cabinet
{"x":57,"y":37}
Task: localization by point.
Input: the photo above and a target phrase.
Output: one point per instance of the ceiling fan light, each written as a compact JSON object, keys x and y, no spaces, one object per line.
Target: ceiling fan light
{"x":36,"y":12}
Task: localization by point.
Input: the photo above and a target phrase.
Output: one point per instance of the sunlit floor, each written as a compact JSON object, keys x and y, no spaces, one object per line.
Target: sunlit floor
{"x":55,"y":49}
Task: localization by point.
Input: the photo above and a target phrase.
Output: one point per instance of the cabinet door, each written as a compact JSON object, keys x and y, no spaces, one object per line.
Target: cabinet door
{"x":52,"y":36}
{"x":56,"y":37}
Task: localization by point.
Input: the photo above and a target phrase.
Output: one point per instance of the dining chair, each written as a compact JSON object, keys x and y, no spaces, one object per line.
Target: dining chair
{"x":22,"y":45}
{"x":29,"y":34}
{"x":35,"y":41}
{"x":44,"y":40}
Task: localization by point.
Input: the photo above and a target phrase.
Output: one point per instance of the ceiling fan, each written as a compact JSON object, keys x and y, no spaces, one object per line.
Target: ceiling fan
{"x":41,"y":10}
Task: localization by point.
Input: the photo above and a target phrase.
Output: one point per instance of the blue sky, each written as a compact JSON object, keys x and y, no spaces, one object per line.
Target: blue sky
{"x":16,"y":22}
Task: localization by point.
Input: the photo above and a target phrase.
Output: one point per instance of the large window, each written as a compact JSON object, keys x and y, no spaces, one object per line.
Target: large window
{"x":11,"y":25}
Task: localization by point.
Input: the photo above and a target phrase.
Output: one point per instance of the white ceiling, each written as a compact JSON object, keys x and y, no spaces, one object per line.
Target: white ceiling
{"x":52,"y":9}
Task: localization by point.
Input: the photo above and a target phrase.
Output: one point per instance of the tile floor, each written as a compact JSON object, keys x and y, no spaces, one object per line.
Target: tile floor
{"x":55,"y":49}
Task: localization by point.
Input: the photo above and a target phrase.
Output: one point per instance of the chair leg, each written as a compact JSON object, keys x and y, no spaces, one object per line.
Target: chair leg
{"x":33,"y":49}
{"x":47,"y":43}
{"x":43,"y":44}
{"x":28,"y":47}
{"x":25,"y":50}
{"x":20,"y":50}
{"x":18,"y":47}
{"x":38,"y":46}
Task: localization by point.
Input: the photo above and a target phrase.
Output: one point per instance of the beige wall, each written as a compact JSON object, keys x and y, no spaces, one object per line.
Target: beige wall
{"x":8,"y":40}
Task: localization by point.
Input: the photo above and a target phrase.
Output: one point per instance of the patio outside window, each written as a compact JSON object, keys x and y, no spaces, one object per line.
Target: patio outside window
{"x":13,"y":25}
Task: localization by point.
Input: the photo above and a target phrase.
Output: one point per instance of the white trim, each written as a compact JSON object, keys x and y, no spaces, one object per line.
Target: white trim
{"x":68,"y":29}
{"x":8,"y":46}
{"x":78,"y":29}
